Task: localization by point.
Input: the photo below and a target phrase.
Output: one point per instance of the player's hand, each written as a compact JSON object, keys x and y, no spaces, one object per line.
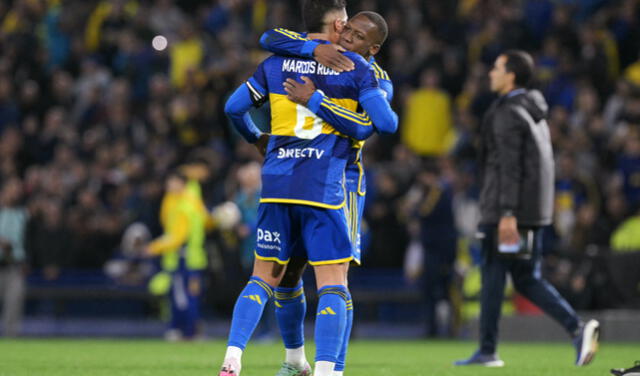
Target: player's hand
{"x":297,"y":92}
{"x":330,"y":55}
{"x":508,"y":231}
{"x":262,"y":143}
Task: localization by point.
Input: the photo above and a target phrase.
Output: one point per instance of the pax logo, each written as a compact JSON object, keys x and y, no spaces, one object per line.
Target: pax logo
{"x":268,"y":236}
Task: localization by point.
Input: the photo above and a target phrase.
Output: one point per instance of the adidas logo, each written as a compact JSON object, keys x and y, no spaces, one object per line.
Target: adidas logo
{"x":327,"y":311}
{"x":255,"y":298}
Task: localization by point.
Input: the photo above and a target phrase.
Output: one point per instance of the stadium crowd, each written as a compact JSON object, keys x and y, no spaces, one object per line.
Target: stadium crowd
{"x":93,"y":116}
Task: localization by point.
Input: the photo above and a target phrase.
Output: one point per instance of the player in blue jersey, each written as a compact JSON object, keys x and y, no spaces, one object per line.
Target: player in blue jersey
{"x":303,"y":193}
{"x":290,"y":303}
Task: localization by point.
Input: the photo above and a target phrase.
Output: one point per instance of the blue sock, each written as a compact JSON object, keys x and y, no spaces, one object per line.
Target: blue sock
{"x":248,"y":310}
{"x":331,"y":322}
{"x":347,"y":333}
{"x":291,"y":306}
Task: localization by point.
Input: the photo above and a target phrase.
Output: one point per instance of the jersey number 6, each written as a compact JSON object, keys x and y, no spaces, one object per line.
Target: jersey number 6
{"x":302,"y":130}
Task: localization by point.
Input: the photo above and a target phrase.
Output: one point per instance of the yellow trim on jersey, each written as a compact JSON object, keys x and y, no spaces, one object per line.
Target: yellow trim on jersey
{"x":333,"y":102}
{"x":301,"y":202}
{"x":291,"y":34}
{"x":285,"y":116}
{"x":331,"y":262}
{"x":380,"y":73}
{"x":346,"y":114}
{"x":270,"y":259}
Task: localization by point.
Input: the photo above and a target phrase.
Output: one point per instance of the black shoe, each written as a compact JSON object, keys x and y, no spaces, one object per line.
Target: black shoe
{"x":633,"y":371}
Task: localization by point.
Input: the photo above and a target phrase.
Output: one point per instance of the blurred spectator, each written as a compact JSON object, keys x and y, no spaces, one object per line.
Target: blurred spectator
{"x":430,"y":202}
{"x":383,"y":216}
{"x":186,"y":56}
{"x":572,"y":190}
{"x":629,"y":169}
{"x":248,"y":198}
{"x":13,"y":224}
{"x":433,"y":135}
{"x":48,"y":241}
{"x":626,"y":237}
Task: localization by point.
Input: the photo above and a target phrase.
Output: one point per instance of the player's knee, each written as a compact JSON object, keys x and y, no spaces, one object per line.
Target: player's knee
{"x":270,"y":272}
{"x":290,"y":279}
{"x":331,"y":275}
{"x":293,"y":274}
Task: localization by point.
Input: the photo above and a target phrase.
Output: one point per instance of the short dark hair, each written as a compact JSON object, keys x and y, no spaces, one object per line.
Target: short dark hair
{"x":381,"y":24}
{"x":520,"y":63}
{"x":314,"y":12}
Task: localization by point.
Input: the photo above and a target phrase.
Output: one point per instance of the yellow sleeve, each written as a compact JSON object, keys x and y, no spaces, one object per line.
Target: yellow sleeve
{"x":175,"y":236}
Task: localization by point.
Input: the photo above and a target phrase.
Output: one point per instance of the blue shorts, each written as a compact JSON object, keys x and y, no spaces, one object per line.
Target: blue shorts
{"x":286,"y":230}
{"x":354,"y":210}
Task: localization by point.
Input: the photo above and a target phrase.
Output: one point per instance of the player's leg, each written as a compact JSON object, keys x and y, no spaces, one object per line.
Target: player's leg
{"x":192,"y":315}
{"x":178,"y":304}
{"x":291,"y":307}
{"x":326,"y":239}
{"x":527,"y":279}
{"x":493,"y":271}
{"x":354,"y":211}
{"x":248,"y":311}
{"x":268,"y":269}
{"x":331,"y":317}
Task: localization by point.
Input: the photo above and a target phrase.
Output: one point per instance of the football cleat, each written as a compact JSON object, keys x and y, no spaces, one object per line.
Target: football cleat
{"x":479,"y":359}
{"x":633,"y":371}
{"x":291,"y":370}
{"x":586,"y":343}
{"x":230,"y":367}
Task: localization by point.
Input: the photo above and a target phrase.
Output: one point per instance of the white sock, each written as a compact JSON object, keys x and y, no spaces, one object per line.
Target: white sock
{"x":338,"y":373}
{"x":323,"y":368}
{"x":234,"y":352}
{"x":295,"y":357}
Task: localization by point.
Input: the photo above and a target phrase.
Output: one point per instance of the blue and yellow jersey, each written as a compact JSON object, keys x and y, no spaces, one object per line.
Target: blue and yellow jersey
{"x":355,"y":178}
{"x":290,"y":43}
{"x":306,"y":156}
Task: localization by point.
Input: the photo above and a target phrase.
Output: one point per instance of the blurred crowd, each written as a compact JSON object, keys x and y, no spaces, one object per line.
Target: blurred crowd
{"x":99,"y":100}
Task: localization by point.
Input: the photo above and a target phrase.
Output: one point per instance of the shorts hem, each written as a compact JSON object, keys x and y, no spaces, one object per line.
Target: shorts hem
{"x":301,"y":202}
{"x":273,"y":259}
{"x":330,"y":262}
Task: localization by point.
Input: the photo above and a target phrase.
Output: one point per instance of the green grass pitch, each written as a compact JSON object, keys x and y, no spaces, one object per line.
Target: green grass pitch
{"x":69,"y":357}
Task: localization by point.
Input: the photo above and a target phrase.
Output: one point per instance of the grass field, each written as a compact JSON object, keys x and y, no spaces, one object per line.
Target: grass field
{"x":366,"y":358}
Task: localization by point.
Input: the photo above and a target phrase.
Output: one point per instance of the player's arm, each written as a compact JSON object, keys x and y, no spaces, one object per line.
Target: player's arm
{"x":286,"y":42}
{"x":173,"y":238}
{"x":353,"y":124}
{"x":237,"y":109}
{"x":374,"y":102}
{"x":387,"y":88}
{"x":347,"y":122}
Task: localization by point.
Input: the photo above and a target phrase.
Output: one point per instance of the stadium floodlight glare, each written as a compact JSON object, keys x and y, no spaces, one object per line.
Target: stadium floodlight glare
{"x":159,"y":43}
